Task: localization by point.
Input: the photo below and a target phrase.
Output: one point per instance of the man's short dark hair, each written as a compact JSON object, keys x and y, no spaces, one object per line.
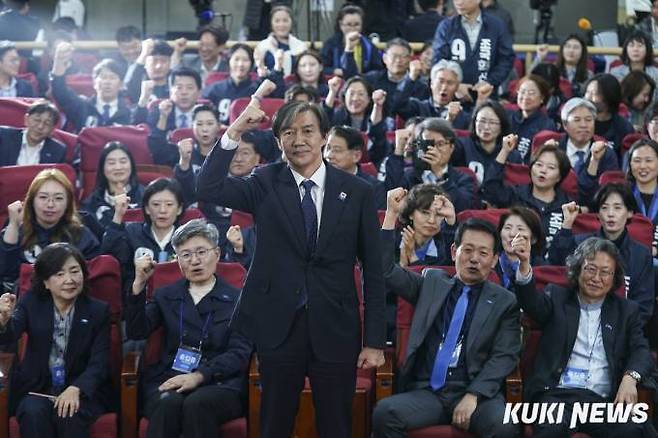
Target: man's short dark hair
{"x":185,"y":72}
{"x":299,"y":89}
{"x":352,"y":136}
{"x":44,"y":106}
{"x":475,"y":224}
{"x":127,"y":33}
{"x":6,"y":46}
{"x":440,"y":126}
{"x":204,"y":107}
{"x":109,"y":64}
{"x":609,"y":89}
{"x":161,"y":48}
{"x":219,"y":33}
{"x":242,"y":46}
{"x":286,"y":114}
{"x":399,"y":42}
{"x":426,"y":5}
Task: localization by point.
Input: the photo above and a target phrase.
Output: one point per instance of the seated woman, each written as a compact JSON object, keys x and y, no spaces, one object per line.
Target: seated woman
{"x":47,"y":215}
{"x":549,"y":166}
{"x":604,"y":91}
{"x":533,"y":93}
{"x":551,"y":74}
{"x":431,"y":151}
{"x":488,"y":127}
{"x":308,"y":71}
{"x":615,"y":205}
{"x":572,"y":62}
{"x":162,"y":208}
{"x":199,"y":381}
{"x":637,"y":91}
{"x":636,"y":55}
{"x":116,"y":178}
{"x":68,"y":352}
{"x":518,"y":223}
{"x":642,"y":173}
{"x":428,"y":222}
{"x":281,"y":22}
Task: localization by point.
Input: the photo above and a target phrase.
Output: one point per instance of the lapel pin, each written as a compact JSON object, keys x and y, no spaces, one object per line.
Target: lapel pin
{"x":489,"y":301}
{"x":608,"y":326}
{"x":84,"y":321}
{"x":342,"y":196}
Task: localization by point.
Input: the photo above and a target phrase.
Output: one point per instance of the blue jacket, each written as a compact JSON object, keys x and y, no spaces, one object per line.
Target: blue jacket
{"x":334,"y":56}
{"x":81,"y":111}
{"x":422,"y":28}
{"x":636,"y":259}
{"x":24,"y":88}
{"x":104,"y":212}
{"x":11,"y":256}
{"x":527,"y":128}
{"x":87,"y":356}
{"x":378,"y":187}
{"x":10,"y":147}
{"x":645,"y":210}
{"x":493,"y":56}
{"x":225,"y":353}
{"x":614,"y":131}
{"x":469,"y":153}
{"x":458,"y":185}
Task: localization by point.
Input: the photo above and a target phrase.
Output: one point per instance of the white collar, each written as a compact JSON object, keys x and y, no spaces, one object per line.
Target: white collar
{"x":114,"y":105}
{"x":11,"y":86}
{"x":572,"y":149}
{"x":165,"y":240}
{"x":318,"y":177}
{"x":24,"y":142}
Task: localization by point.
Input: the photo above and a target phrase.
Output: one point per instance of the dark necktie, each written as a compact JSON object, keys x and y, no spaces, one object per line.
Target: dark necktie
{"x":310,"y":217}
{"x":182,"y":121}
{"x":580,"y":161}
{"x":444,"y":355}
{"x":106,"y":114}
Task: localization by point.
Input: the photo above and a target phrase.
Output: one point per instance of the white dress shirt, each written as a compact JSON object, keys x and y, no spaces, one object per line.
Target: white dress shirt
{"x":114,"y":106}
{"x":571,"y":153}
{"x":29,"y":154}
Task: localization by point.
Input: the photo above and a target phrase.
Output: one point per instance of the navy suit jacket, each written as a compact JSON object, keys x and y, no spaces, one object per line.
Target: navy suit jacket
{"x":281,"y":269}
{"x":10,"y":147}
{"x":87,"y":355}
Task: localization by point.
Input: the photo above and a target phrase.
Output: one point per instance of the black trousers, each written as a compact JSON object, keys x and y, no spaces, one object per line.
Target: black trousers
{"x":595,"y":430}
{"x":282,"y":374}
{"x":196,"y":414}
{"x":37,"y":419}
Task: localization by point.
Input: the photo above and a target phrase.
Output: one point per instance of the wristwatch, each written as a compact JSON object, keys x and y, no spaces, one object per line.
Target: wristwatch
{"x":634,"y":375}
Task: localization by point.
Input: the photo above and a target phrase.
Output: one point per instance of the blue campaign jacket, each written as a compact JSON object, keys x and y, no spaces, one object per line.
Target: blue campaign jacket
{"x":470,"y":153}
{"x":492,"y":58}
{"x":527,"y":128}
{"x":10,"y":147}
{"x":636,"y":258}
{"x":225,"y":353}
{"x":334,"y":56}
{"x":96,"y":204}
{"x":618,"y":129}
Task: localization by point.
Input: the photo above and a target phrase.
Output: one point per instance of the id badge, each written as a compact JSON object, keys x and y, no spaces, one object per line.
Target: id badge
{"x":163,"y":256}
{"x":58,"y":375}
{"x":575,"y":377}
{"x":454,"y":359}
{"x":186,"y":360}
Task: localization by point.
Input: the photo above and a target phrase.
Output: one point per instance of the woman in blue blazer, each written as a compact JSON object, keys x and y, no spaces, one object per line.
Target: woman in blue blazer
{"x":62,"y":385}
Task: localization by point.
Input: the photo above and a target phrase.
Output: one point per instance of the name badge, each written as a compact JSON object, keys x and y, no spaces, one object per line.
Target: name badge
{"x":454,"y":359}
{"x":575,"y":377}
{"x":163,"y":256}
{"x":186,"y":360}
{"x":58,"y":375}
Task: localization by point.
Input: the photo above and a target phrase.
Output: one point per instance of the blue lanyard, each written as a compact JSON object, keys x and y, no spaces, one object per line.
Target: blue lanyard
{"x":507,"y":268}
{"x":421,"y":252}
{"x":204,"y":331}
{"x":653,"y":208}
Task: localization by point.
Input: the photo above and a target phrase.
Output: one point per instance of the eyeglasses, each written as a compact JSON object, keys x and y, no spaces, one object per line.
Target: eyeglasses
{"x":486,"y":122}
{"x":201,"y":253}
{"x":590,"y":272}
{"x":530,"y":93}
{"x":441,"y":144}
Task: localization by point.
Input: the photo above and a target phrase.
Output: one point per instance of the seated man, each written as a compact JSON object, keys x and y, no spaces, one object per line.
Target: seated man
{"x":154,"y":64}
{"x":592,"y":347}
{"x":106,"y":108}
{"x":431,"y":152}
{"x":174,"y":112}
{"x":442,"y":382}
{"x":10,"y":85}
{"x":129,"y":43}
{"x":212,"y":44}
{"x":445,"y":78}
{"x":32,"y":144}
{"x":344,"y":150}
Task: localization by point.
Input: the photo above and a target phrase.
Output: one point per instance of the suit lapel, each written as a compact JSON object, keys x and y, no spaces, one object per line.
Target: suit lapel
{"x":332,"y":205}
{"x":438,"y":291}
{"x":572,"y":310}
{"x":486,"y":302}
{"x":14,"y":148}
{"x":79,"y":330}
{"x":290,"y":201}
{"x":608,"y":316}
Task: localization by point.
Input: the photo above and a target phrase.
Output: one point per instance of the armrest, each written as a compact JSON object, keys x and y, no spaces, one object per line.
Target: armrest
{"x":384,"y":376}
{"x":254,"y":398}
{"x":129,"y":379}
{"x":514,"y":386}
{"x":6,"y":363}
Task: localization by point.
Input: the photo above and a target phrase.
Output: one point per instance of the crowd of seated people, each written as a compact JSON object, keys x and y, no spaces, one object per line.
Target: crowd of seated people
{"x":440,"y":135}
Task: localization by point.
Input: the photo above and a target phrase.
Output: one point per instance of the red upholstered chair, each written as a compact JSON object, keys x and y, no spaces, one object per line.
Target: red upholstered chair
{"x":640,"y":227}
{"x":216,"y":76}
{"x":15,"y":180}
{"x":150,"y":172}
{"x":369,"y":168}
{"x":404,"y":317}
{"x":85,"y":61}
{"x":105,"y":285}
{"x":70,"y":140}
{"x":519,"y":174}
{"x":543,"y":136}
{"x":268,"y":105}
{"x":13,"y":109}
{"x":167,"y":273}
{"x":93,"y":140}
{"x":612,"y":176}
{"x":241,"y":218}
{"x":565,"y":88}
{"x":365,"y":158}
{"x":491,"y":215}
{"x":81,"y":83}
{"x":631,"y":138}
{"x":136,"y":215}
{"x":461,"y":132}
{"x":179,"y":134}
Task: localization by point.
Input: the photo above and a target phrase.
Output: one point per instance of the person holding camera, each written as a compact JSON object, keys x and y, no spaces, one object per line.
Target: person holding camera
{"x":431,"y":152}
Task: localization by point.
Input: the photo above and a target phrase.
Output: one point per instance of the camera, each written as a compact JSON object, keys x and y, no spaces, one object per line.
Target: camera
{"x":419,"y":147}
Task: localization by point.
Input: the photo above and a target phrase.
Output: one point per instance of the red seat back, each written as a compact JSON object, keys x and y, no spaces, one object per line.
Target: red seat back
{"x":93,"y":140}
{"x":70,"y":140}
{"x":543,"y":136}
{"x":241,"y":218}
{"x":216,"y":76}
{"x":631,"y":138}
{"x":369,"y":168}
{"x":639,"y":227}
{"x":13,"y":110}
{"x":491,"y":215}
{"x":81,"y":83}
{"x":468,"y":171}
{"x":85,"y":61}
{"x":268,"y":105}
{"x":519,"y":174}
{"x":179,"y":134}
{"x":612,"y":176}
{"x":150,"y":172}
{"x":458,"y":132}
{"x":15,"y":180}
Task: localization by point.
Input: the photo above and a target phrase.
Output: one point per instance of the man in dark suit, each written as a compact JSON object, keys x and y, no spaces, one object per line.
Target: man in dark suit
{"x":10,"y":61}
{"x":465,"y":336}
{"x":592,"y":347}
{"x":422,"y":27}
{"x":32,"y":144}
{"x":129,"y":46}
{"x":299,"y":303}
